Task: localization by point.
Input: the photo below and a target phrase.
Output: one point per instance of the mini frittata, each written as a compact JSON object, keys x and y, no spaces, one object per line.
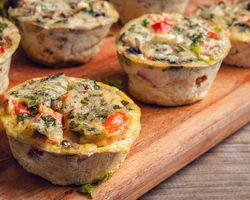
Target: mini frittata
{"x":234,"y":16}
{"x":69,"y":130}
{"x":9,"y":41}
{"x":170,"y":59}
{"x":131,"y":9}
{"x":63,"y":33}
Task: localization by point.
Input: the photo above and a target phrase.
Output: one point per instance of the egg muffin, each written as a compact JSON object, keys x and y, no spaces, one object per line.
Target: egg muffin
{"x":69,"y":130}
{"x":9,"y":41}
{"x":170,"y":59}
{"x":235,"y":17}
{"x":131,"y":9}
{"x":63,"y":33}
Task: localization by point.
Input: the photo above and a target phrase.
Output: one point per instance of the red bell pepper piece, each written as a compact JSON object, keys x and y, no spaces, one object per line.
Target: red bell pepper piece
{"x":212,"y":35}
{"x":115,"y":121}
{"x":162,"y":25}
{"x":20,"y":108}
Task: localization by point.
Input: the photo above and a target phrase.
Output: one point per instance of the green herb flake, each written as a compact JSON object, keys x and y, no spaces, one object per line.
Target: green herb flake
{"x":61,"y":21}
{"x":195,"y":48}
{"x":96,"y":87}
{"x":3,"y":26}
{"x":125,"y":103}
{"x":116,"y":107}
{"x":106,"y":177}
{"x":217,"y":29}
{"x":118,"y":83}
{"x":49,"y":121}
{"x":74,"y":124}
{"x":52,"y":77}
{"x":20,"y":118}
{"x":196,"y":38}
{"x":87,"y":189}
{"x":145,"y":23}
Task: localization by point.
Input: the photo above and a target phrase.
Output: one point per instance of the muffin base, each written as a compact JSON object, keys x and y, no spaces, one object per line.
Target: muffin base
{"x":172,"y":87}
{"x":239,"y":54}
{"x":60,"y":47}
{"x":4,"y":75}
{"x":65,"y":169}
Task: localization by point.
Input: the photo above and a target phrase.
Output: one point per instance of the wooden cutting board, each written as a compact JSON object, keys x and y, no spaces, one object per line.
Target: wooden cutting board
{"x":170,"y":137}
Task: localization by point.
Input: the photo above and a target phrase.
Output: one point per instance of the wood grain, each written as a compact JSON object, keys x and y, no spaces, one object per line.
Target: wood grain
{"x":170,"y":137}
{"x":223,"y":173}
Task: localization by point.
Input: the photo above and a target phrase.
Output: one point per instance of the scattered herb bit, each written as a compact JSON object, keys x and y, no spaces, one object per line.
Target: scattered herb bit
{"x":74,"y":124}
{"x":243,"y":27}
{"x":3,"y":26}
{"x":195,"y":47}
{"x":157,"y":58}
{"x":49,"y":121}
{"x":52,"y":77}
{"x":125,"y":103}
{"x":62,"y":21}
{"x":210,"y":16}
{"x":71,"y":115}
{"x":218,"y":29}
{"x":106,"y":177}
{"x":20,"y":118}
{"x":181,"y":47}
{"x":116,"y":107}
{"x":118,"y":83}
{"x":134,"y":50}
{"x":87,"y":189}
{"x":96,"y":87}
{"x":18,"y":95}
{"x":196,"y":38}
{"x":145,"y":23}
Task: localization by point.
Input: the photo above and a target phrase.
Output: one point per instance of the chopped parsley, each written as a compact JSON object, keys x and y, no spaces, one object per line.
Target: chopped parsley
{"x":3,"y":26}
{"x":74,"y":124}
{"x":118,"y":83}
{"x":61,"y":21}
{"x":52,"y":77}
{"x":196,"y":38}
{"x":125,"y":103}
{"x":87,"y":189}
{"x":243,"y":27}
{"x":145,"y":23}
{"x":20,"y":118}
{"x":48,"y":121}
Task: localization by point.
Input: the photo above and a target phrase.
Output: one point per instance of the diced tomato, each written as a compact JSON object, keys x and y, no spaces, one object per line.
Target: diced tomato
{"x":248,"y":21}
{"x":150,"y":58}
{"x":4,"y":47}
{"x":115,"y":121}
{"x":162,"y":25}
{"x":49,"y":141}
{"x":44,"y":138}
{"x":2,"y":50}
{"x":20,"y":108}
{"x":212,"y":35}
